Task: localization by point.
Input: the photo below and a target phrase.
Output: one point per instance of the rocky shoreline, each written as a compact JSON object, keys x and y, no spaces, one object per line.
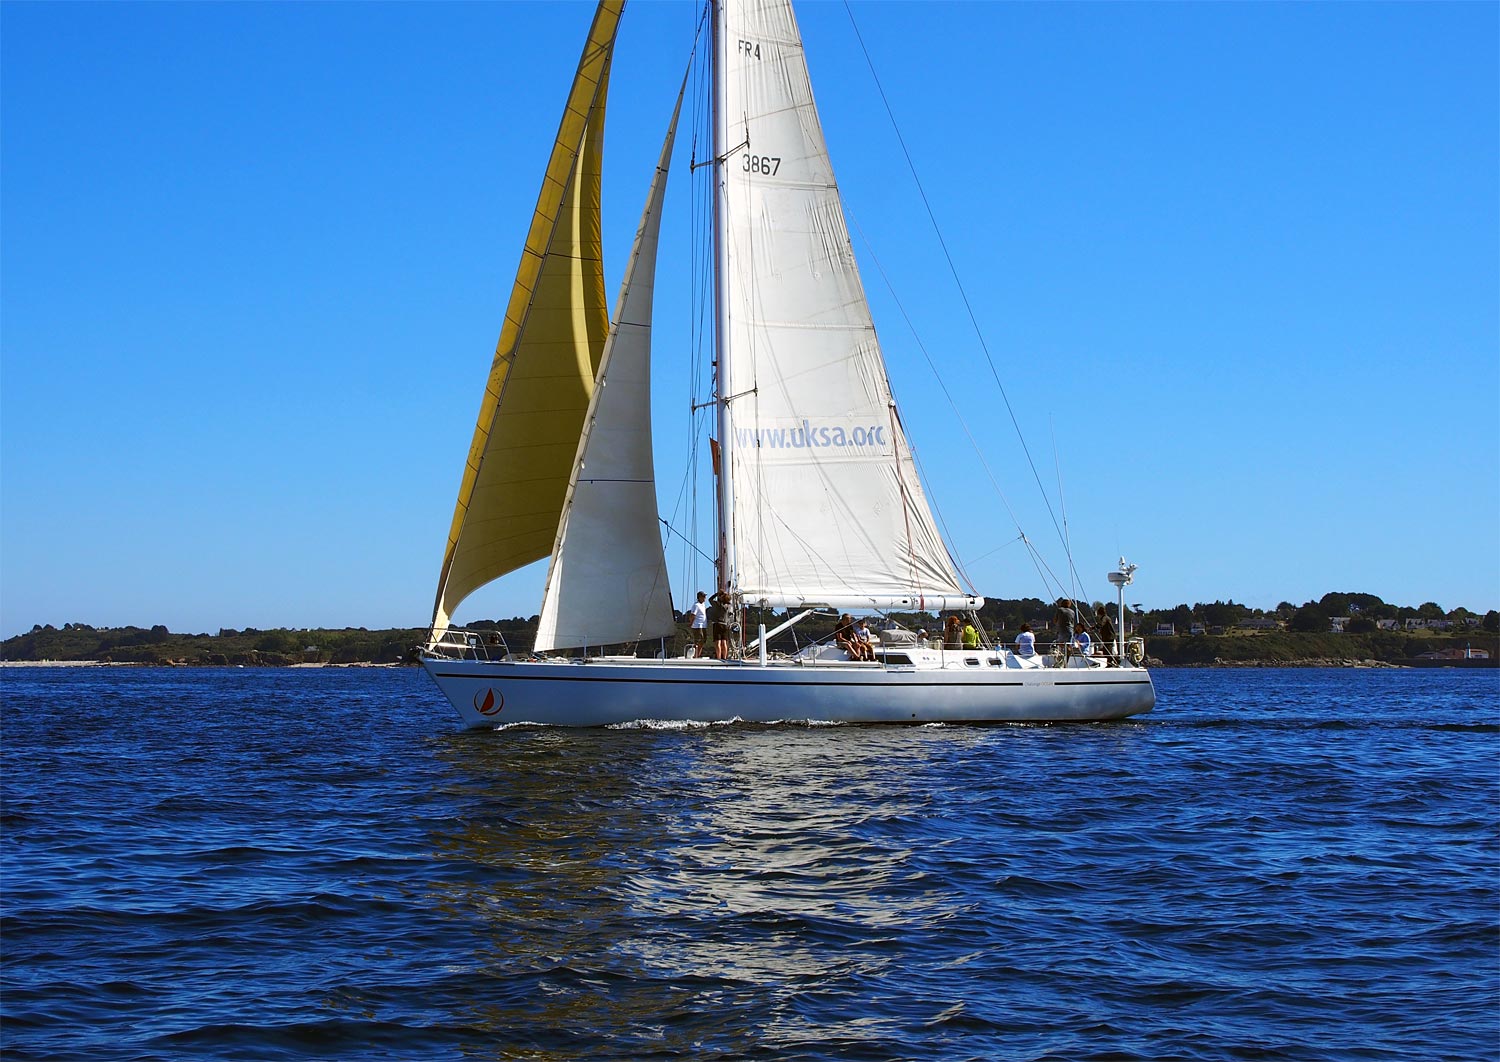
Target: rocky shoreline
{"x":1315,"y":662}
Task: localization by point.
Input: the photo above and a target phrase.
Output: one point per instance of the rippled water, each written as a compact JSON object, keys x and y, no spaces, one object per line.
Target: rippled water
{"x":243,"y":864}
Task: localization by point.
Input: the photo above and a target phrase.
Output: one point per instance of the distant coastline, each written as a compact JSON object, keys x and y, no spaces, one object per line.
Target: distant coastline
{"x":77,"y":646}
{"x":1337,"y":630}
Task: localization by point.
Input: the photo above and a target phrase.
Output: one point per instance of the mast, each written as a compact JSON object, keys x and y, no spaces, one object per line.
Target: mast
{"x":728,"y":577}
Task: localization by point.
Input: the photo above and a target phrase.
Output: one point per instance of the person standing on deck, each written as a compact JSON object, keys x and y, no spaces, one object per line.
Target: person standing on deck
{"x":1064,"y":619}
{"x":718,"y":619}
{"x":698,"y":614}
{"x":1106,"y":631}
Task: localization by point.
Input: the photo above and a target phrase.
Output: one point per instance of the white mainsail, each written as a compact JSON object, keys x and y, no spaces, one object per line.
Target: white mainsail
{"x":608,"y":578}
{"x":826,"y":504}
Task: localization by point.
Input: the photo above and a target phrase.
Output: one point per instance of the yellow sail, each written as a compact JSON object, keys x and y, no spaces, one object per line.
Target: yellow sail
{"x":531,"y":417}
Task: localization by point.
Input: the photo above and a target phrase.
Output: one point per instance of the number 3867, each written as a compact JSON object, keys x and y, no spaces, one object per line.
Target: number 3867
{"x":767,"y":164}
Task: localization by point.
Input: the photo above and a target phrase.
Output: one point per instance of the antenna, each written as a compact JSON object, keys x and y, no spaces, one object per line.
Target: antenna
{"x":1121,"y":578}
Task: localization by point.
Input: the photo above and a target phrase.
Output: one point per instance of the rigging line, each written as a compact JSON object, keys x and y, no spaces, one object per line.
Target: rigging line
{"x":906,"y":502}
{"x":688,"y":476}
{"x":829,"y":569}
{"x":932,"y":502}
{"x":997,"y":549}
{"x":1062,"y":503}
{"x":832,"y":572}
{"x":682,"y":489}
{"x":700,"y":257}
{"x":942,"y":385}
{"x":763,"y":550}
{"x":923,"y":483}
{"x":684,"y":538}
{"x":1076,"y":582}
{"x":703,"y":341}
{"x":1049,"y":577}
{"x":938,"y":511}
{"x":701,"y":251}
{"x":952,"y":268}
{"x":723,"y":157}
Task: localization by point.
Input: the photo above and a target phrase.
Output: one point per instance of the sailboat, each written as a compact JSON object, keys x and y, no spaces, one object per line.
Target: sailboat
{"x":819,"y":504}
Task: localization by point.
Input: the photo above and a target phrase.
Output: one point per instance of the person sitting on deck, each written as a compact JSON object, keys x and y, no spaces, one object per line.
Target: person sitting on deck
{"x":844,"y":638}
{"x":1026,"y":642}
{"x":970,"y":636}
{"x":862,"y":641}
{"x":1083,"y":642}
{"x":953,"y":637}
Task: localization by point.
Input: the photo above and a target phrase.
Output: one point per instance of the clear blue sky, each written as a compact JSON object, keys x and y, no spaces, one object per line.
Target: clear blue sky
{"x":1237,"y":263}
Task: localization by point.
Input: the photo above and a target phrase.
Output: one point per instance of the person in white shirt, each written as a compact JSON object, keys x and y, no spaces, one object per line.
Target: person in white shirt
{"x":1026,"y":641}
{"x":699,"y":616}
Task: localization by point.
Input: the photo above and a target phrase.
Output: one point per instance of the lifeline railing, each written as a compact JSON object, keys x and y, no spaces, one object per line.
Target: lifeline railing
{"x":459,"y":643}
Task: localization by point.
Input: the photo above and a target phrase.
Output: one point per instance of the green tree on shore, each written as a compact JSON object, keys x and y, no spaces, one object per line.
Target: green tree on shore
{"x":1310,"y":619}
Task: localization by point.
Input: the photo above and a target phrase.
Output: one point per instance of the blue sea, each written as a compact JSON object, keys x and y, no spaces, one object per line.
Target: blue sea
{"x":319,"y":864}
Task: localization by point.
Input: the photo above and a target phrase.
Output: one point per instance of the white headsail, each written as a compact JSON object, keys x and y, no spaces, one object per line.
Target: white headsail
{"x":827,"y":506}
{"x":608,"y":579}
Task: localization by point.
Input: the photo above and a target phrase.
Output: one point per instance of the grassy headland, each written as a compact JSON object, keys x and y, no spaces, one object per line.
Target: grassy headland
{"x":251,"y":648}
{"x":1288,"y":648}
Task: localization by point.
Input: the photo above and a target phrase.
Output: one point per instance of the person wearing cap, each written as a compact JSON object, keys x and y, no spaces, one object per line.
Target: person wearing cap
{"x":698,"y":615}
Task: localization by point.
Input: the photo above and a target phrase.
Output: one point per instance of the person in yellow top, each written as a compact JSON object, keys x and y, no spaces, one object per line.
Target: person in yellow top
{"x":971,"y":636}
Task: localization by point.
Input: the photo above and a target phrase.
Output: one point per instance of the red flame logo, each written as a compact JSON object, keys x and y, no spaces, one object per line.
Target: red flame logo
{"x":492,"y":703}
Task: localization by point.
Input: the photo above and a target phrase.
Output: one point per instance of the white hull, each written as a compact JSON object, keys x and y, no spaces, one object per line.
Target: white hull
{"x":820,"y":504}
{"x":490,"y":693}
